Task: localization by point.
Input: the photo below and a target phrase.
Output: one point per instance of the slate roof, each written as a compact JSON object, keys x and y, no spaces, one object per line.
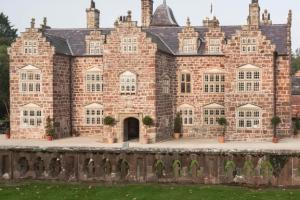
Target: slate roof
{"x":72,"y":41}
{"x":296,"y":85}
{"x":163,"y":16}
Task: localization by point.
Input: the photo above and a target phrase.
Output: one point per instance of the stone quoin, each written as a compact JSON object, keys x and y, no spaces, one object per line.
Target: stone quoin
{"x":79,"y":76}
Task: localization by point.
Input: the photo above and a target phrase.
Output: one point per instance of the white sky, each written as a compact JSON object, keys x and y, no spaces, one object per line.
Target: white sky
{"x":71,"y":13}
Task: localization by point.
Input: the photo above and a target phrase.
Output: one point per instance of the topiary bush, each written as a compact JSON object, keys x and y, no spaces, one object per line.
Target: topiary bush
{"x":147,"y":121}
{"x":223,"y":122}
{"x":50,"y":131}
{"x":109,"y":121}
{"x":178,"y":123}
{"x":275,"y":122}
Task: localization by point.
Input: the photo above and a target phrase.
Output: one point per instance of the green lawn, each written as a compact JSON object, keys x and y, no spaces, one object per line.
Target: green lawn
{"x":45,"y":191}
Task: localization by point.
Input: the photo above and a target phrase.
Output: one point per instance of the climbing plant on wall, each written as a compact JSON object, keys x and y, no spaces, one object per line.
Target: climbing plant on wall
{"x":159,"y":168}
{"x":248,"y":168}
{"x":266,"y":169}
{"x":177,"y":168}
{"x":229,"y":168}
{"x":278,"y":162}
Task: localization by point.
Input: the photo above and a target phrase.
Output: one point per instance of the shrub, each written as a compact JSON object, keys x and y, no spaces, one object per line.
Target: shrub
{"x":223,"y":122}
{"x":275,"y":122}
{"x":296,"y":126}
{"x":50,"y":131}
{"x":109,"y":121}
{"x":178,"y":123}
{"x":147,"y":121}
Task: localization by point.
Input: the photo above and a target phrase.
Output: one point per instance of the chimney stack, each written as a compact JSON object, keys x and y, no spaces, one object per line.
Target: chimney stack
{"x":93,"y":16}
{"x":147,"y":12}
{"x":254,"y":14}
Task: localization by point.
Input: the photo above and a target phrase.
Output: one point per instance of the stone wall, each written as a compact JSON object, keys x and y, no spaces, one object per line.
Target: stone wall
{"x":152,"y":166}
{"x":43,"y":60}
{"x":264,"y":59}
{"x":197,"y":67}
{"x":82,"y":98}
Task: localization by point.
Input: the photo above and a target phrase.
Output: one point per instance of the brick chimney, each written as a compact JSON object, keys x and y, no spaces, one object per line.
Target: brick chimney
{"x":254,"y":14}
{"x":147,"y":12}
{"x":93,"y":16}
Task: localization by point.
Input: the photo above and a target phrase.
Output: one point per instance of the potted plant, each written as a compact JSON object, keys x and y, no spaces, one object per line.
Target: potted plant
{"x":275,"y":122}
{"x":177,"y":126}
{"x":222,"y":122}
{"x":110,"y":121}
{"x":50,"y":131}
{"x":296,"y":126}
{"x":5,"y":123}
{"x":148,"y":122}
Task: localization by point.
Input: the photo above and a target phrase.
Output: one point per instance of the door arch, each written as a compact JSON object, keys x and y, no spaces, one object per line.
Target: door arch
{"x":131,"y":129}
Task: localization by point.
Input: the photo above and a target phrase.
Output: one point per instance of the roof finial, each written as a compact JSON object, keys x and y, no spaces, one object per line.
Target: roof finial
{"x":188,"y":22}
{"x":32,"y":23}
{"x":93,"y":5}
{"x":212,"y":10}
{"x":165,"y":2}
{"x":45,"y":21}
{"x":290,"y":17}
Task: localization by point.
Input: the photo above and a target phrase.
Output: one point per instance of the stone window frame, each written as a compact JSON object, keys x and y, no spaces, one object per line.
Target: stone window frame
{"x":248,"y":45}
{"x":93,"y":114}
{"x":97,"y":74}
{"x":214,"y":81}
{"x":187,"y":114}
{"x":95,"y":47}
{"x":129,"y":44}
{"x":189,"y":45}
{"x":30,"y":47}
{"x":248,"y":117}
{"x":211,"y":113}
{"x":128,"y":83}
{"x":31,"y":116}
{"x":214,"y":47}
{"x":166,"y":84}
{"x":249,"y":79}
{"x":30,"y":77}
{"x":183,"y":82}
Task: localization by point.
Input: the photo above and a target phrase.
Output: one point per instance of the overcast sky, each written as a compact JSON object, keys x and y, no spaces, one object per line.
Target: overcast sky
{"x":71,"y":13}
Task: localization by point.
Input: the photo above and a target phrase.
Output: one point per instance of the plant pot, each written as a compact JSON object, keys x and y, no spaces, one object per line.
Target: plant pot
{"x":7,"y":135}
{"x":275,"y":140}
{"x":177,"y":136}
{"x":221,"y":139}
{"x":111,"y":140}
{"x":49,"y":138}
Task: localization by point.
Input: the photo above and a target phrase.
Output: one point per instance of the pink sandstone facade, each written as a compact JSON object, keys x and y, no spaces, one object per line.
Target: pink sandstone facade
{"x":79,"y":76}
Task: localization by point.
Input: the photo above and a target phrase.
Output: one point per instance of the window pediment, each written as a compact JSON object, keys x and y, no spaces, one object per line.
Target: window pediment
{"x":213,"y":105}
{"x":186,"y":106}
{"x":249,"y":106}
{"x":29,"y":67}
{"x":94,"y":69}
{"x":94,"y":105}
{"x":31,"y":105}
{"x":249,"y":66}
{"x":215,"y":70}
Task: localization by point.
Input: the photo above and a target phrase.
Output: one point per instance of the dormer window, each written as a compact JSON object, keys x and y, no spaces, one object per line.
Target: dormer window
{"x":248,"y":45}
{"x":214,"y":46}
{"x":30,"y":47}
{"x":189,"y":45}
{"x":95,"y":48}
{"x":129,"y":45}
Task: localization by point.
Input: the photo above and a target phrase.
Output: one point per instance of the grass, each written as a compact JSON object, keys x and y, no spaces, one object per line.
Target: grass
{"x":45,"y":191}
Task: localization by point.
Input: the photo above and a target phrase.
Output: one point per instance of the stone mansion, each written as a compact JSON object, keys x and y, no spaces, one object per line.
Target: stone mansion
{"x":156,"y":68}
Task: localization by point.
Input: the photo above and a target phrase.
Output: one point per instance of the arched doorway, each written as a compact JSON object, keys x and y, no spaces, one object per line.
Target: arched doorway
{"x":131,"y":129}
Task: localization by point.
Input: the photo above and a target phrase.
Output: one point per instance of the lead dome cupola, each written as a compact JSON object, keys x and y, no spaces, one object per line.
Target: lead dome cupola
{"x":163,"y":16}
